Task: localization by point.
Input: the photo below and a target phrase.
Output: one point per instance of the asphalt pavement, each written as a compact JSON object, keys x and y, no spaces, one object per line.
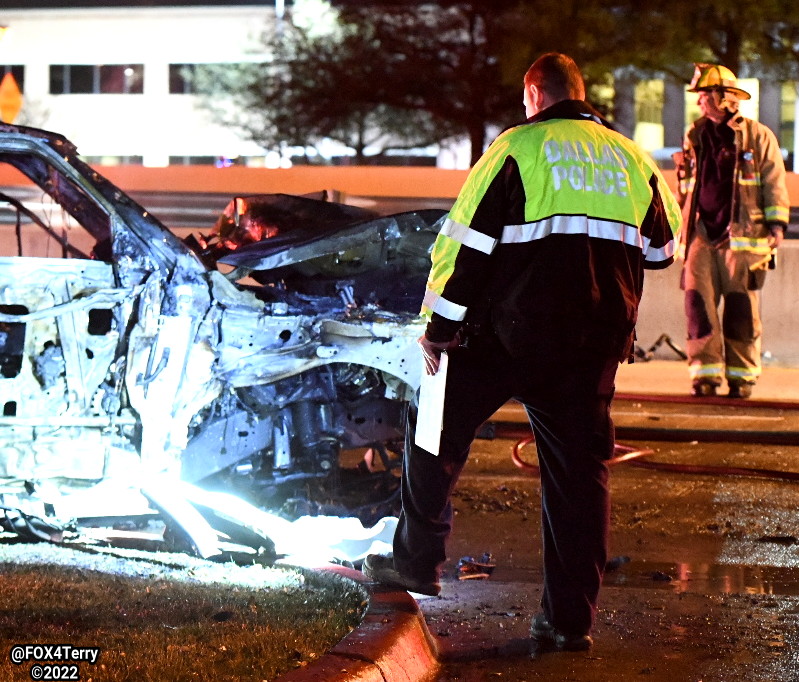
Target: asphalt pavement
{"x":394,"y":642}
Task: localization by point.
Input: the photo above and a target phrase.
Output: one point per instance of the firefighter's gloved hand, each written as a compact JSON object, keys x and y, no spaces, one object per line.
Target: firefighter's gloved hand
{"x":679,"y":163}
{"x":777,"y":234}
{"x":431,"y":351}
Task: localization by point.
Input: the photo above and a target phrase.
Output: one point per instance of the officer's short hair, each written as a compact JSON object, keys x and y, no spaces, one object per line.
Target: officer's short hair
{"x":557,"y":75}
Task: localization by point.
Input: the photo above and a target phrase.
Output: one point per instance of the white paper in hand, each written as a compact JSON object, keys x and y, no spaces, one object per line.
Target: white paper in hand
{"x":430,"y":418}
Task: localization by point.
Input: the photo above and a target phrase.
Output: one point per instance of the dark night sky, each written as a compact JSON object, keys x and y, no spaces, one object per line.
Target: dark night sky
{"x":34,"y":4}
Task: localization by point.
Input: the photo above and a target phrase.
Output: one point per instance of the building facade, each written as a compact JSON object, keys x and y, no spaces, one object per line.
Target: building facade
{"x":113,"y":80}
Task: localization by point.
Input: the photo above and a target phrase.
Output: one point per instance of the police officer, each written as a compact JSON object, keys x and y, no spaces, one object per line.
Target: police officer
{"x":534,"y":290}
{"x":735,"y":211}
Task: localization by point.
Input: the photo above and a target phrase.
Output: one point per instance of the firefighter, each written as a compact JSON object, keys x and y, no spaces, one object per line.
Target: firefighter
{"x":735,"y":204}
{"x":534,"y":289}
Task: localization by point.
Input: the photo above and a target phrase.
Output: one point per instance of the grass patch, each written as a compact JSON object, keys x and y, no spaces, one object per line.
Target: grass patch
{"x":182,"y":620}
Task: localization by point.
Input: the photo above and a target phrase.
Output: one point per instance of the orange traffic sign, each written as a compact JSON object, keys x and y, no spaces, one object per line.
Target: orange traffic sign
{"x":10,"y":98}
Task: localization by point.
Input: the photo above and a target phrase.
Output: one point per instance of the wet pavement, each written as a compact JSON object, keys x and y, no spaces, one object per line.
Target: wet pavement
{"x":704,"y":582}
{"x":704,"y":577}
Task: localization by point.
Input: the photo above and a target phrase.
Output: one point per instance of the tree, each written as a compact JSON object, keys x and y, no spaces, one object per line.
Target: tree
{"x":463,"y":60}
{"x":400,"y":76}
{"x":443,"y":59}
{"x":781,"y":40}
{"x":717,"y":31}
{"x":401,"y":73}
{"x":315,"y":87}
{"x":619,"y":42}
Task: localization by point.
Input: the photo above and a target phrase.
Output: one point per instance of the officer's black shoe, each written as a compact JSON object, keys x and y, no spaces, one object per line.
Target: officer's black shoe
{"x":740,"y":389}
{"x":380,"y":569}
{"x":544,"y":637}
{"x":702,"y":388}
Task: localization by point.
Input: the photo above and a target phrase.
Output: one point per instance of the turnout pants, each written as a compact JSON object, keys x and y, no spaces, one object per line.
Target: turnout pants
{"x":568,"y":403}
{"x":727,"y":345}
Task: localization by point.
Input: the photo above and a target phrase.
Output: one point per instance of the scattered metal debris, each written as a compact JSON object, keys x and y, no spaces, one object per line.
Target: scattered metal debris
{"x":660,"y":576}
{"x":779,"y":539}
{"x":469,"y":568}
{"x":616,"y":563}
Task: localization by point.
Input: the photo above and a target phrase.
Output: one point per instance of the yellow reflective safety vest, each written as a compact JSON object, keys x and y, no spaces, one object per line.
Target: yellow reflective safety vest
{"x":546,"y":243}
{"x":760,"y":194}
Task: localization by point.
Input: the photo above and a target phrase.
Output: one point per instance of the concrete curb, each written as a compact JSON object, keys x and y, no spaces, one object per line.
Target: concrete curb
{"x":391,"y":644}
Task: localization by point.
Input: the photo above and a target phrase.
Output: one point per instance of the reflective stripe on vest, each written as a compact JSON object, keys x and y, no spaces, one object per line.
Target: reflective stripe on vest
{"x":435,"y":303}
{"x":592,"y":227}
{"x":751,"y":180}
{"x":467,"y":236}
{"x":445,"y":250}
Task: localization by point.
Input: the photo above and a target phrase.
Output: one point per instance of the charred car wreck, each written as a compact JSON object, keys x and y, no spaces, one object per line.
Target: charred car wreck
{"x":130,"y":364}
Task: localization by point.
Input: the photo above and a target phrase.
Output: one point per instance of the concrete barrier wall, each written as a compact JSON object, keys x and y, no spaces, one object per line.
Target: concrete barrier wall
{"x":378,"y":181}
{"x":662,"y":310}
{"x":662,"y":307}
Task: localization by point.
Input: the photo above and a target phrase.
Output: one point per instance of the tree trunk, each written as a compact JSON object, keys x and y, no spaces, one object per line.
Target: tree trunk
{"x":477,"y":138}
{"x":624,"y":101}
{"x":673,"y":112}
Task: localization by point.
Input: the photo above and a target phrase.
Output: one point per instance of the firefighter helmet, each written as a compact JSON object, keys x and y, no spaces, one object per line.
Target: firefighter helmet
{"x":716,"y":77}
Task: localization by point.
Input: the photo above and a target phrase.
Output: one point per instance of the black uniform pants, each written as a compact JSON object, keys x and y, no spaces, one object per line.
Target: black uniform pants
{"x":568,"y":403}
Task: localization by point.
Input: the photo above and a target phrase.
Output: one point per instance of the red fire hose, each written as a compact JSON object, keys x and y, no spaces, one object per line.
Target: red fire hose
{"x":634,"y":457}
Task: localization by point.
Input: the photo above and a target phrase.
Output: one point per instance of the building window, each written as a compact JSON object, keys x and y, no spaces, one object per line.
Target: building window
{"x":193,"y":160}
{"x":129,"y":160}
{"x":121,"y":78}
{"x":649,"y":130}
{"x":74,"y":79}
{"x":16,"y":70}
{"x":183,"y":77}
{"x":80,"y":79}
{"x":790,"y":93}
{"x":180,"y":79}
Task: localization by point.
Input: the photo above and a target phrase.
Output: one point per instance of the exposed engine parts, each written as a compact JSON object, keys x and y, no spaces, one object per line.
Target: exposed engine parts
{"x":127,"y":357}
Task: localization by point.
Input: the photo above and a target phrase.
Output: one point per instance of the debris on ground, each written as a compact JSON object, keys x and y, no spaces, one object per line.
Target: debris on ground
{"x":469,"y":568}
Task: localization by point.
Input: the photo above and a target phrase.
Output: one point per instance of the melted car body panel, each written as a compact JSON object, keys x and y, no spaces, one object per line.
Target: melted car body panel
{"x":124,"y":356}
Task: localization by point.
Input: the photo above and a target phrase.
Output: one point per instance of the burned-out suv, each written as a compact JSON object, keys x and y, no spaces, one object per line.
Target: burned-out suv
{"x":125,"y":359}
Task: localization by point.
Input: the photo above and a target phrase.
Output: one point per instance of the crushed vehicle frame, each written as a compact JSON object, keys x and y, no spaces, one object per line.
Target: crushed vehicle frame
{"x":126,"y":359}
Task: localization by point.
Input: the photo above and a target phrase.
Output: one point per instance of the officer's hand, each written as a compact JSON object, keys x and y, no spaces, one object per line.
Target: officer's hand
{"x":431,"y":351}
